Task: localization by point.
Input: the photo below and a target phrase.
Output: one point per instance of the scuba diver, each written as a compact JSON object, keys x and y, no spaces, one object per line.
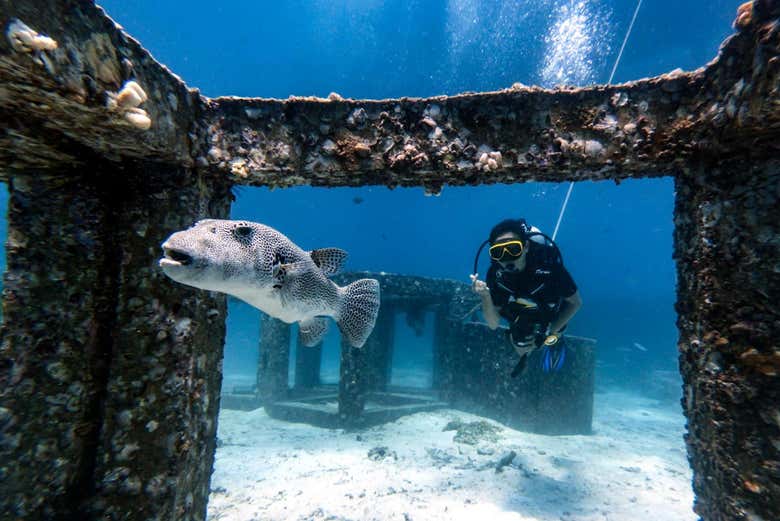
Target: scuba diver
{"x":528,"y":285}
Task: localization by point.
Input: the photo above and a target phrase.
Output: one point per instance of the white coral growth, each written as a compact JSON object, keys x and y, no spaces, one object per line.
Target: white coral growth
{"x":127,"y":100}
{"x":25,"y":39}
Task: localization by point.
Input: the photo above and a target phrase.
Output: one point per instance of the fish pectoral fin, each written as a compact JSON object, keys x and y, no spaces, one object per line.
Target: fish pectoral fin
{"x":279,"y":274}
{"x":282,"y":273}
{"x":329,"y":260}
{"x":312,"y":331}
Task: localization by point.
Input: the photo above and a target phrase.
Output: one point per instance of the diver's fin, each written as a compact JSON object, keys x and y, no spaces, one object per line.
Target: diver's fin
{"x":311,"y":331}
{"x":358,"y":311}
{"x":560,"y":357}
{"x":553,"y":357}
{"x":329,"y":260}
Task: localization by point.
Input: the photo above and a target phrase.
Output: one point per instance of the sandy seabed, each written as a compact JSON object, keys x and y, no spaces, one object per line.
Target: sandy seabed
{"x":633,"y":467}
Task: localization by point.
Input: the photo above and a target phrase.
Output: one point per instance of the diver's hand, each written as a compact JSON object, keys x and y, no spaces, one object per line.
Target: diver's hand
{"x":479,"y":287}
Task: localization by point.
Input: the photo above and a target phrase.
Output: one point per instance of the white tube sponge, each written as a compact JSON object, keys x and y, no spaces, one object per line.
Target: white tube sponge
{"x":138,"y":118}
{"x":131,"y":95}
{"x":126,"y":102}
{"x":25,"y":39}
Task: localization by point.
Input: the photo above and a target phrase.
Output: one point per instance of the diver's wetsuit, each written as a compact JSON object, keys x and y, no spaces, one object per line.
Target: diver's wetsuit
{"x":544,"y":282}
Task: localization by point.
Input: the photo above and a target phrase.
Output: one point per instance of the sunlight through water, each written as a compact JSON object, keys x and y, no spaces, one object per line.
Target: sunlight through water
{"x":577,"y":43}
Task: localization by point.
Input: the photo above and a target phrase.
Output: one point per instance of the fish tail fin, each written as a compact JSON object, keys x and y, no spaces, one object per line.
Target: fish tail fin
{"x":358,"y":311}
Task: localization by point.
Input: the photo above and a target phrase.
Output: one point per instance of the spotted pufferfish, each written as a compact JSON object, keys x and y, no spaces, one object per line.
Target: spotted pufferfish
{"x":261,"y":266}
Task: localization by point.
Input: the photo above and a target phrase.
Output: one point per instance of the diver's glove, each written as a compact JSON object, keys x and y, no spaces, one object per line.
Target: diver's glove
{"x":546,"y":340}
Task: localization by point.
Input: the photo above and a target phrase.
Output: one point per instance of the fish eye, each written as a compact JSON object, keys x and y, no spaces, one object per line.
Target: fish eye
{"x":242,"y":232}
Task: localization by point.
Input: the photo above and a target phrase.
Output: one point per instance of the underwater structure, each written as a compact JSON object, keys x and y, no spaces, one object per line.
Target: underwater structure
{"x":471,"y":369}
{"x":109,"y":380}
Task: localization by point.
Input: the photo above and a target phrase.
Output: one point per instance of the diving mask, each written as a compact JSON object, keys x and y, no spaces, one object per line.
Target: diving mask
{"x":506,"y":251}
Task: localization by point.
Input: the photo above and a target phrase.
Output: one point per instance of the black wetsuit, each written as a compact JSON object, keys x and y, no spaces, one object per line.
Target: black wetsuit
{"x":544,"y":281}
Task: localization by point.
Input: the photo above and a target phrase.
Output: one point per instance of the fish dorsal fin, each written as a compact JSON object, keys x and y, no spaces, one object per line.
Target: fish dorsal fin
{"x":329,"y":260}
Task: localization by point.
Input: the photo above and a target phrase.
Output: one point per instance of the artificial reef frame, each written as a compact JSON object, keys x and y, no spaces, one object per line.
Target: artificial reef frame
{"x":109,"y":374}
{"x":470,"y":368}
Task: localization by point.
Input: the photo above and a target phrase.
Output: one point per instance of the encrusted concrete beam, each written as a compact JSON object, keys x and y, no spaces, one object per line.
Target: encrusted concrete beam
{"x":413,"y":292}
{"x":77,"y":89}
{"x":658,"y":126}
{"x":65,"y":69}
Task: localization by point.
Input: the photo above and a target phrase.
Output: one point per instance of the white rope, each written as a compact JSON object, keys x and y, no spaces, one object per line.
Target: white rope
{"x":625,"y":40}
{"x":609,"y":82}
{"x":563,"y":209}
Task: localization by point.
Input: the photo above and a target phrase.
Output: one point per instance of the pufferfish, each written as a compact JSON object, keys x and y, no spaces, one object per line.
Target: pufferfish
{"x":261,"y":266}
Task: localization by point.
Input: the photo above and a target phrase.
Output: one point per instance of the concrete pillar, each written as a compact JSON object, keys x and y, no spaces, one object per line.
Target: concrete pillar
{"x":352,"y":385}
{"x":441,"y":339}
{"x":56,"y":345}
{"x":379,"y":350}
{"x":110,"y":372}
{"x":307,"y":366}
{"x":159,"y":433}
{"x":274,"y":360}
{"x":728,"y":262}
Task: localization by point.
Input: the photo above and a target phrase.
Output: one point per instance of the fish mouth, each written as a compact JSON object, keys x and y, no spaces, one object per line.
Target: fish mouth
{"x":174,"y":257}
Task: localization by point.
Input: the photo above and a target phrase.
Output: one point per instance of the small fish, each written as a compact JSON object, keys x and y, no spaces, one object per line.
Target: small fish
{"x":264,"y":268}
{"x":357,"y":199}
{"x":640,"y":346}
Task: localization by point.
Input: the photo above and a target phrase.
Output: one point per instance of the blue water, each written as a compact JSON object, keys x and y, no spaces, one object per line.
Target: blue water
{"x":378,"y":49}
{"x":616,"y":240}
